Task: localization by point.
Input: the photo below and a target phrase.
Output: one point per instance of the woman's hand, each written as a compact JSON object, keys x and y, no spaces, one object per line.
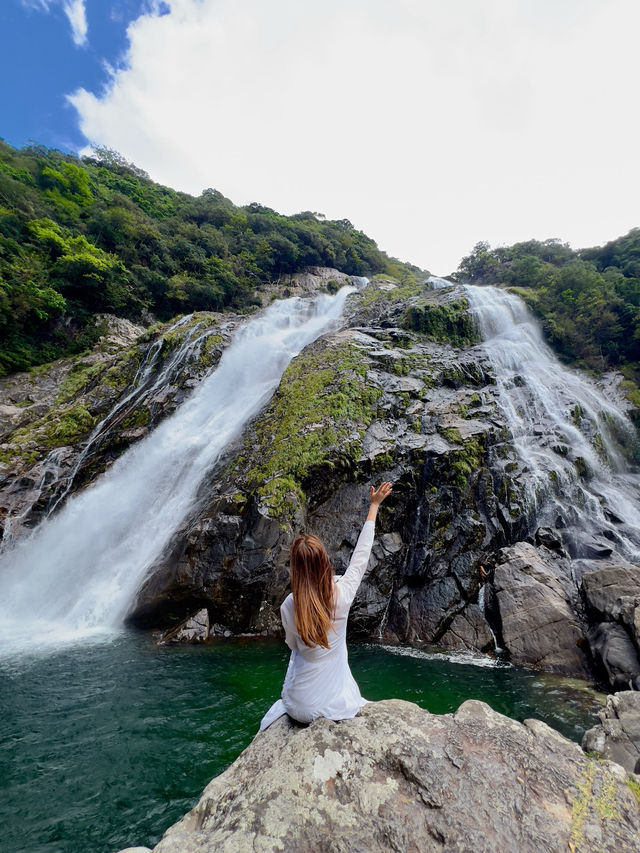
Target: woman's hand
{"x":376,"y":496}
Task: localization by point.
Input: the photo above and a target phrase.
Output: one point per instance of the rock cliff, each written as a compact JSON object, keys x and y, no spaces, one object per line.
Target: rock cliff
{"x":376,"y":400}
{"x":396,"y":778}
{"x":402,"y":391}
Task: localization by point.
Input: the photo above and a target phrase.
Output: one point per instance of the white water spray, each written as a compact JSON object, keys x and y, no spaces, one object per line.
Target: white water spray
{"x":571,"y":440}
{"x":79,"y":571}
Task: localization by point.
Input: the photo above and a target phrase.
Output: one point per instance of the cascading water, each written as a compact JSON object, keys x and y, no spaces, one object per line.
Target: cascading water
{"x":79,"y":571}
{"x":157,"y":371}
{"x":573,"y":443}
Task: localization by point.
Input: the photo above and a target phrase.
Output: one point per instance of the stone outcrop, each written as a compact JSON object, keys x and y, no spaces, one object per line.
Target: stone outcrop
{"x":614,"y":655}
{"x":617,"y":737}
{"x":193,"y":630}
{"x":612,"y":601}
{"x":536,"y":606}
{"x":396,"y":778}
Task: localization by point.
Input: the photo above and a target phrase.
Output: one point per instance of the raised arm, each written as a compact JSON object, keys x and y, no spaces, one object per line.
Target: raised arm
{"x":351,"y":579}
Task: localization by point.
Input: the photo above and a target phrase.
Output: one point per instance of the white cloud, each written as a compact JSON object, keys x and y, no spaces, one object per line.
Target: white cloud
{"x":77,"y":15}
{"x":430,"y":125}
{"x":75,"y":12}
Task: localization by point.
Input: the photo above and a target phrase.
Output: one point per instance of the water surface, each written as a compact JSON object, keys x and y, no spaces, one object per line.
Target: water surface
{"x":103,"y":746}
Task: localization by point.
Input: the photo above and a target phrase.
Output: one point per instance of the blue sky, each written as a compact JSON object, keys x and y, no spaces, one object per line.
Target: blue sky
{"x":430,"y":124}
{"x":40,"y":65}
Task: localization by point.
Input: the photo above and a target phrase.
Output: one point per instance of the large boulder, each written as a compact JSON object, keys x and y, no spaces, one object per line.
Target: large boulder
{"x":536,"y":609}
{"x":397,"y":778}
{"x":614,"y":655}
{"x":612,"y":602}
{"x":469,"y":631}
{"x":610,"y":592}
{"x":617,"y":737}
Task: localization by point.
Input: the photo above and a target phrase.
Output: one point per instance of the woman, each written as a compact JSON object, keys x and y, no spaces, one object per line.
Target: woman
{"x":314,"y":615}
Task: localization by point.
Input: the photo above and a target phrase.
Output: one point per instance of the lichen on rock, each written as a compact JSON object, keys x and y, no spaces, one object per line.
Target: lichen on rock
{"x":399,"y":778}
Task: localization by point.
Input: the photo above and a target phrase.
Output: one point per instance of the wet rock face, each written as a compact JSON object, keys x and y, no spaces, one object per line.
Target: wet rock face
{"x":361,"y":405}
{"x":398,"y":778}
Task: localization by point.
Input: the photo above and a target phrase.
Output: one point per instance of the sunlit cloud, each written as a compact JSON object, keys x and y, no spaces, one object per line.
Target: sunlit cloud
{"x":430,"y":125}
{"x":76,"y":13}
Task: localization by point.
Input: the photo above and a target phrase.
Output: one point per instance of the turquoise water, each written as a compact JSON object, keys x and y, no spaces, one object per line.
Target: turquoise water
{"x":104,"y":746}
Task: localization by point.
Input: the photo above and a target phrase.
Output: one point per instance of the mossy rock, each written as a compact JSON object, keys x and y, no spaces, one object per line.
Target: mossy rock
{"x":451,"y":322}
{"x":81,"y":376}
{"x":317,"y":418}
{"x":386,"y":289}
{"x":69,"y":426}
{"x":138,"y":418}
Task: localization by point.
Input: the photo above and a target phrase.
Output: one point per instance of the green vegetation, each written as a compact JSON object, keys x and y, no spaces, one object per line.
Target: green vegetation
{"x":588,"y":301}
{"x":634,"y":787}
{"x":138,"y":418}
{"x":323,"y":404}
{"x":61,"y":426}
{"x":80,"y":237}
{"x":449,"y":322}
{"x":407,"y":283}
{"x":596,"y":797}
{"x":451,"y":434}
{"x":80,"y":376}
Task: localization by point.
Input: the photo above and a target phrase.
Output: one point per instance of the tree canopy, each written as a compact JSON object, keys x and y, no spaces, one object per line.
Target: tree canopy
{"x":84,"y":236}
{"x":588,"y":300}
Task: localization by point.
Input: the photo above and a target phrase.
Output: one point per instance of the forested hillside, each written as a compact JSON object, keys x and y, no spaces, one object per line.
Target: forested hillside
{"x":80,"y":237}
{"x":588,"y":301}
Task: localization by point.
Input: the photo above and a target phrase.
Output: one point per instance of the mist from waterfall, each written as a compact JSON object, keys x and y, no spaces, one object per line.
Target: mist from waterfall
{"x":575,"y":445}
{"x":79,"y":571}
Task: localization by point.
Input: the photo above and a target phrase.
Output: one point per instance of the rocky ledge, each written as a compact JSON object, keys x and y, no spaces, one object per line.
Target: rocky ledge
{"x":397,"y":778}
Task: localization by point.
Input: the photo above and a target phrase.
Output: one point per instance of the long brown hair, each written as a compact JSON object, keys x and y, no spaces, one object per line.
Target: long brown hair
{"x":312,"y":588}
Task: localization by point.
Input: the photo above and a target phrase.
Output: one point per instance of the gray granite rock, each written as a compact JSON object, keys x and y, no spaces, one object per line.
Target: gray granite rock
{"x":617,"y":737}
{"x":193,"y":630}
{"x":615,"y":655}
{"x":136,"y":850}
{"x":536,"y":605}
{"x":396,"y":778}
{"x":609,"y":591}
{"x":469,"y":631}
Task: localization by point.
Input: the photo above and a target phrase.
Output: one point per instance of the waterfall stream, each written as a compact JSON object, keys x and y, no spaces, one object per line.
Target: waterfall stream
{"x":78,"y":572}
{"x":157,"y":371}
{"x":575,"y":446}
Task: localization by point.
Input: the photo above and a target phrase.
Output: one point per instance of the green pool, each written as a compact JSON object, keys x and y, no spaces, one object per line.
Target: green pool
{"x":103,"y":746}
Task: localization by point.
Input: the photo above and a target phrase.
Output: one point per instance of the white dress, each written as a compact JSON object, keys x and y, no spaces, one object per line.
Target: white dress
{"x":318,"y":682}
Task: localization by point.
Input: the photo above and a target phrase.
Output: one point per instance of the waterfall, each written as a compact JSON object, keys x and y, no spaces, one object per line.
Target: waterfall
{"x":79,"y":571}
{"x":573,"y":443}
{"x":157,"y":370}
